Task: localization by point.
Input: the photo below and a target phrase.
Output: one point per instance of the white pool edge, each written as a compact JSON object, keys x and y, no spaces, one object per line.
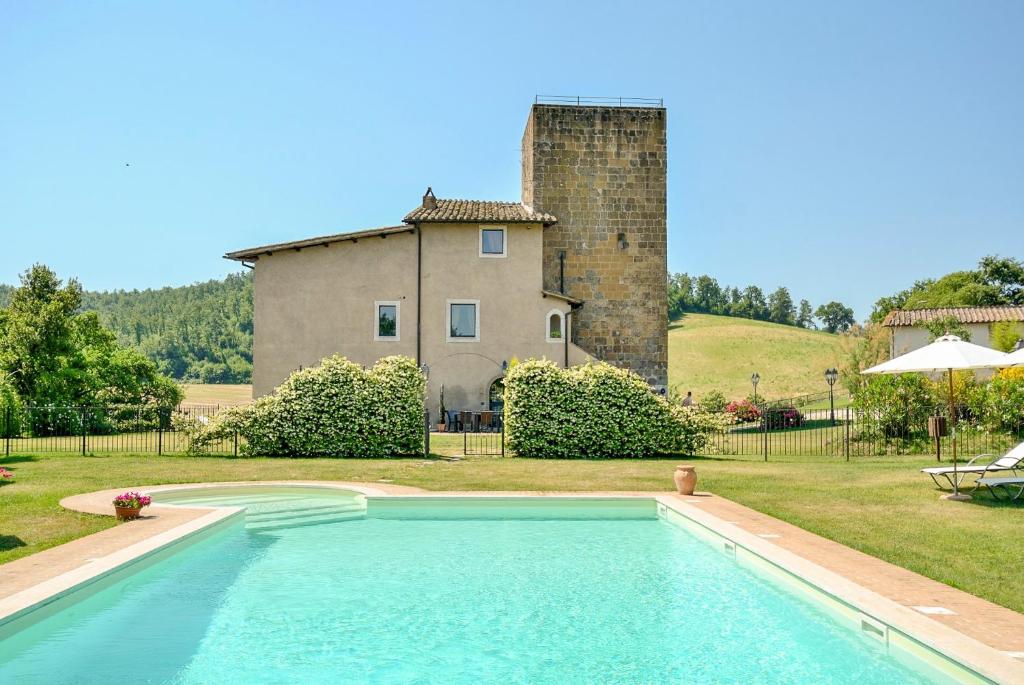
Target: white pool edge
{"x":862,"y":609}
{"x":18,"y":604}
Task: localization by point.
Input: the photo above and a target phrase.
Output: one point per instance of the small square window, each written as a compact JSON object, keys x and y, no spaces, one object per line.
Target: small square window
{"x":463,"y":321}
{"x":492,"y":242}
{"x":386,"y":325}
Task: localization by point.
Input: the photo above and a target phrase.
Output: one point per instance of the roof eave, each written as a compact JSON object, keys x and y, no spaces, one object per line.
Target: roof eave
{"x":562,"y":296}
{"x":254,"y":253}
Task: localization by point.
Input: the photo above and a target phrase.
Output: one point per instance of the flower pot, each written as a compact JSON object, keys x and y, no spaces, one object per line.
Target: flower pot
{"x":440,"y":428}
{"x":686,"y":479}
{"x":127,"y":513}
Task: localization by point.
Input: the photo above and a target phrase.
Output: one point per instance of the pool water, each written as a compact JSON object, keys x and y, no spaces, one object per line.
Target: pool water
{"x":310,"y":591}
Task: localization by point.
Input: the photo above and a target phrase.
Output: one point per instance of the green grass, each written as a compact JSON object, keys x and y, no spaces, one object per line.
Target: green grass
{"x":708,"y":352}
{"x":881,"y":506}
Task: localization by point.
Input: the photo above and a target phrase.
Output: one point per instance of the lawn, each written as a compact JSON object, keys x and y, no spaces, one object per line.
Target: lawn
{"x":879,"y":505}
{"x":708,"y":352}
{"x":223,"y":395}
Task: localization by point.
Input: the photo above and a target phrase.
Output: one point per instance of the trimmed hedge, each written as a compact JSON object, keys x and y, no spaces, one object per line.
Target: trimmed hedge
{"x":337,"y":409}
{"x":595,"y":411}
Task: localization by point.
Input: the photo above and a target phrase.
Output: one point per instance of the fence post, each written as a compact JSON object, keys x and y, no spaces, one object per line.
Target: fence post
{"x":159,"y":432}
{"x":502,"y":419}
{"x":236,"y":443}
{"x":764,"y":420}
{"x":7,"y":431}
{"x":846,"y":441}
{"x":85,"y":428}
{"x":426,"y":432}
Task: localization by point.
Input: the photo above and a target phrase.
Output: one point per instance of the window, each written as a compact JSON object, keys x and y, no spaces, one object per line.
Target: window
{"x":492,"y":241}
{"x":463,"y":321}
{"x":386,"y":323}
{"x":555,"y":331}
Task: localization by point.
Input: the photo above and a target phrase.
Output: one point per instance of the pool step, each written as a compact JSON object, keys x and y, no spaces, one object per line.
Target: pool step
{"x":307,"y":516}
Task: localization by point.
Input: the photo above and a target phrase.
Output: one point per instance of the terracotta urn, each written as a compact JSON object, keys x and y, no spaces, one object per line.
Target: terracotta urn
{"x":127,"y":513}
{"x":686,"y":479}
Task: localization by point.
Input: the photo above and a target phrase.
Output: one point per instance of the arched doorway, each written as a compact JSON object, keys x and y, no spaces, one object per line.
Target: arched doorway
{"x":496,"y":395}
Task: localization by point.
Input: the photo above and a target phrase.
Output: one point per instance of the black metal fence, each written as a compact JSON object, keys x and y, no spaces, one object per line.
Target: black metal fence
{"x":485,"y":440}
{"x":783,"y":431}
{"x":130,"y":429}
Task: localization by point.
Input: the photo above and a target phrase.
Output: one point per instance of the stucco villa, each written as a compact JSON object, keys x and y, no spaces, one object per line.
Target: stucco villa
{"x":908,"y":334}
{"x":574,"y":271}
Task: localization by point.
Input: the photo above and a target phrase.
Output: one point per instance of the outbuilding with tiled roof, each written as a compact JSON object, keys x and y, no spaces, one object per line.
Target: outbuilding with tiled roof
{"x":909,"y":331}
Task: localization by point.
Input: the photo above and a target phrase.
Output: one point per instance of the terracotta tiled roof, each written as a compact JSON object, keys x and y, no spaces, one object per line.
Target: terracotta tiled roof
{"x":476,"y":211}
{"x":909,"y":317}
{"x":253,"y":253}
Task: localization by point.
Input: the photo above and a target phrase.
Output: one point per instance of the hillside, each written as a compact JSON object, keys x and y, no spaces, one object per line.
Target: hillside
{"x":707,"y":352}
{"x":200,"y":332}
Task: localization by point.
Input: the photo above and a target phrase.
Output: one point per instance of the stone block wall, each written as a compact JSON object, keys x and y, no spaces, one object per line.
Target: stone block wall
{"x":602,"y":172}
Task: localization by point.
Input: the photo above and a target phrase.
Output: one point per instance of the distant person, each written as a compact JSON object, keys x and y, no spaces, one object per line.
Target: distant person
{"x":688,"y":400}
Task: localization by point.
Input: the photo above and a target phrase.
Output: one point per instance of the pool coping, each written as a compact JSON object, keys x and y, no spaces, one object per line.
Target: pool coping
{"x":985,"y":660}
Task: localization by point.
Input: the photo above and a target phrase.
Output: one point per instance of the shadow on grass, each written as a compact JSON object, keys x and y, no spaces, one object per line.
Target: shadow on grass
{"x":9,"y":542}
{"x":677,"y":322}
{"x":17,"y":459}
{"x":281,"y":457}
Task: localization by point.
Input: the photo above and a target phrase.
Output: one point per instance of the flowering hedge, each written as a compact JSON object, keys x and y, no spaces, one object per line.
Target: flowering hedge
{"x":595,"y":411}
{"x":337,"y":409}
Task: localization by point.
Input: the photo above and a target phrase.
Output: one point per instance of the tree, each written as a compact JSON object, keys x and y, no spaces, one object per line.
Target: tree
{"x":54,"y":355}
{"x":780,"y":307}
{"x":1006,"y":274}
{"x":680,"y":295}
{"x":805,"y":319}
{"x":836,"y":317}
{"x":707,"y":295}
{"x":996,"y":281}
{"x":754,"y":303}
{"x":37,"y":337}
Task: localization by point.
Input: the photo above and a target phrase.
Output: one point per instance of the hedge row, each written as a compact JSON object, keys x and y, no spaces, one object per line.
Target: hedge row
{"x":596,"y":411}
{"x":337,"y":409}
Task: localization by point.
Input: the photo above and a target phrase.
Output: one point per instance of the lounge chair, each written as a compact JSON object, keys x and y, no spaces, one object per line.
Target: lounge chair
{"x":1011,"y":461}
{"x":995,"y":485}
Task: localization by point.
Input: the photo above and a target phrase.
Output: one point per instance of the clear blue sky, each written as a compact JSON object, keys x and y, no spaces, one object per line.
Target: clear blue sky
{"x":843,"y":151}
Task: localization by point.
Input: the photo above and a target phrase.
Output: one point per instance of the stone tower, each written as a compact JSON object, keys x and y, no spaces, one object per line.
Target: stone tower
{"x":601,"y":170}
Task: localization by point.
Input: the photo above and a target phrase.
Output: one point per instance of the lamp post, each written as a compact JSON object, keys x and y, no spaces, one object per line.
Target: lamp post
{"x":754,"y":380}
{"x":831,"y":376}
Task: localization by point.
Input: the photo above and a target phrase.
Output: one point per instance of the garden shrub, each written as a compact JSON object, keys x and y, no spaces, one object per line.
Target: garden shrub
{"x":595,"y":411}
{"x":743,"y":411}
{"x":1005,"y":400}
{"x":780,"y":418}
{"x":895,"y":405}
{"x":337,"y":409}
{"x":714,"y":402}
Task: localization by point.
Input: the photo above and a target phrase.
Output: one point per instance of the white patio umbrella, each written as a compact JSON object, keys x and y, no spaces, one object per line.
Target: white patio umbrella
{"x":1015,"y":358}
{"x":948,"y":353}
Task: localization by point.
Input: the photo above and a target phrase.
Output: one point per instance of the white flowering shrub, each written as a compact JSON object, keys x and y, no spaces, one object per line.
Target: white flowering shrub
{"x":337,"y":409}
{"x":596,"y":411}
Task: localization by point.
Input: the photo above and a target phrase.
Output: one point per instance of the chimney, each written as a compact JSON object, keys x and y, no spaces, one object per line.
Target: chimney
{"x":429,"y":201}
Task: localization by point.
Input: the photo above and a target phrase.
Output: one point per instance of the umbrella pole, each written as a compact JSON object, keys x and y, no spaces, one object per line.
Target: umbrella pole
{"x":956,"y":496}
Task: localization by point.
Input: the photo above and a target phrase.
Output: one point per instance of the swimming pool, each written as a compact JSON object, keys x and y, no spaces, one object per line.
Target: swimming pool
{"x":315,"y":587}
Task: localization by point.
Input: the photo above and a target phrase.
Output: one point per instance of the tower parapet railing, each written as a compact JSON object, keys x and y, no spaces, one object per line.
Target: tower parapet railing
{"x":598,"y":101}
